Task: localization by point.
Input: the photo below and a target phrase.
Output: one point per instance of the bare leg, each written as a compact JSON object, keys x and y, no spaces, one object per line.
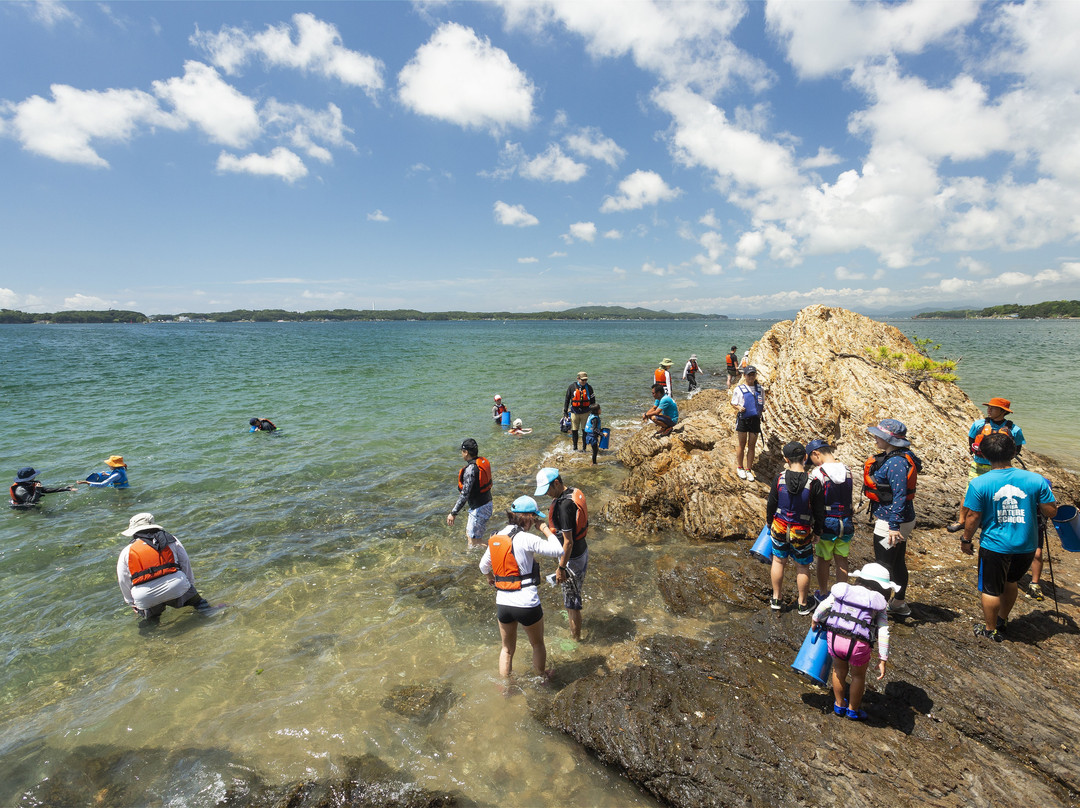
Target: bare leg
{"x":841,"y":570}
{"x":1036,"y":567}
{"x":1008,"y":600}
{"x":535,"y":633}
{"x":990,"y":606}
{"x":839,"y":677}
{"x":508,"y":634}
{"x":777,"y":575}
{"x":740,"y":447}
{"x":751,"y":446}
{"x":823,"y":573}
{"x":858,"y":687}
{"x":575,"y":623}
{"x":802,"y":581}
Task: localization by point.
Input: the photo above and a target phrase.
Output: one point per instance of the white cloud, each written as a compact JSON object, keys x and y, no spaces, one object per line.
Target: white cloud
{"x":845,"y":274}
{"x":822,"y":38}
{"x":51,"y":12}
{"x":81,"y":302}
{"x":553,"y":166}
{"x":529,"y":260}
{"x":225,"y":114}
{"x":582,"y":231}
{"x":377,"y":216}
{"x":514,"y":215}
{"x":317,"y":49}
{"x":613,"y":234}
{"x":557,"y":254}
{"x":638,"y":190}
{"x":652,"y":269}
{"x":749,"y":246}
{"x":590,"y":143}
{"x":279,"y":163}
{"x":823,"y":159}
{"x":302,"y":127}
{"x":9,"y":299}
{"x":973,"y":266}
{"x":64,"y":127}
{"x":618,"y":272}
{"x":461,"y":78}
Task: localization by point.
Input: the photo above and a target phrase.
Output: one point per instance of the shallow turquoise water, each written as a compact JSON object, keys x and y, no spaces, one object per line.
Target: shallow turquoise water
{"x":321,"y":537}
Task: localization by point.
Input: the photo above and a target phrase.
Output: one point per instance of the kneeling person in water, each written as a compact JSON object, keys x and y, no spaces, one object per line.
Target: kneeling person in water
{"x":154,"y":571}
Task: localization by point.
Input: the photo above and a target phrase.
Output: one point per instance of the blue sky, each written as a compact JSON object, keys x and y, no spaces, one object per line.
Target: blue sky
{"x":715,"y":157}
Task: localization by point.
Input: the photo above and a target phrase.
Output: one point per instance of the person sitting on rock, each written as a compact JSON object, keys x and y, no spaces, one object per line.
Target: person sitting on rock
{"x":835,"y":542}
{"x":795,"y":514}
{"x":664,"y":412}
{"x":852,"y":614}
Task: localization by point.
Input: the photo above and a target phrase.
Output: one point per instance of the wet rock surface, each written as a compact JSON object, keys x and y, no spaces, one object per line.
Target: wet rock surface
{"x":420,"y":703}
{"x":958,"y":720}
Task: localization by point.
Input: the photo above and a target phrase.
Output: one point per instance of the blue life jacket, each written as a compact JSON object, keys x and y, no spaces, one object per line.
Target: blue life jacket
{"x":753,"y":400}
{"x":794,"y":509}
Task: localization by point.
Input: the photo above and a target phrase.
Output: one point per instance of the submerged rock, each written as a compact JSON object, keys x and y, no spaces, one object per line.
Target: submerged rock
{"x":421,"y":703}
{"x":821,"y":382}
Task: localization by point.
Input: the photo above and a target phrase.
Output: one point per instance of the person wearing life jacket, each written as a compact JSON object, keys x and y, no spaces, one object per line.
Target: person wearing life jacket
{"x":1004,"y":505}
{"x":690,"y":373}
{"x":795,"y":514}
{"x":512,"y":566}
{"x":518,"y":428}
{"x":853,"y":615}
{"x":889,"y":481}
{"x":592,"y":430}
{"x":748,"y":399}
{"x":27,"y":490}
{"x":662,"y":375}
{"x":835,"y":543}
{"x":498,"y":408}
{"x":261,"y":425}
{"x":994,"y":422}
{"x":569,"y":519}
{"x":731,"y":362}
{"x":115,"y":477}
{"x":474,"y":485}
{"x":579,"y":398}
{"x":154,"y":571}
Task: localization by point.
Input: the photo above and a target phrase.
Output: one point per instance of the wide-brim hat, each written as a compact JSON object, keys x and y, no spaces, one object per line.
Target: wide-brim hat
{"x":115,"y":461}
{"x":666,"y":363}
{"x":891,"y":431}
{"x":517,"y":422}
{"x":25,"y":474}
{"x":1002,"y":403}
{"x":526,"y":504}
{"x":876,"y":573}
{"x":544,"y":478}
{"x":693,"y":356}
{"x":140,"y":521}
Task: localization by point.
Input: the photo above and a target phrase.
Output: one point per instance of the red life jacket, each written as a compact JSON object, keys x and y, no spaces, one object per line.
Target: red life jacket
{"x":693,"y":366}
{"x":484,"y":467}
{"x":504,"y":564}
{"x":145,"y":563}
{"x":581,"y":525}
{"x":989,"y":428}
{"x":881,"y":492}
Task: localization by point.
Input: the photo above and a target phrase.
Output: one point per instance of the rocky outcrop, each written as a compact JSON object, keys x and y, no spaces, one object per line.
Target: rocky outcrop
{"x":820,"y":382}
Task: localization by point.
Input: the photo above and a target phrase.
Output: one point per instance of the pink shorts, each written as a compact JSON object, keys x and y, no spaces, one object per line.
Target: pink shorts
{"x":855,"y":652}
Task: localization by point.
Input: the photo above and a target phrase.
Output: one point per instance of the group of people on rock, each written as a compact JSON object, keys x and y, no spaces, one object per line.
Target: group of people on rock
{"x":809,"y":513}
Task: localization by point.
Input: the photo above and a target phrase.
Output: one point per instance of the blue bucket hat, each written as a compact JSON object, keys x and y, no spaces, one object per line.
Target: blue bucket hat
{"x":25,"y":474}
{"x":525,"y":504}
{"x":891,"y":431}
{"x":544,"y":478}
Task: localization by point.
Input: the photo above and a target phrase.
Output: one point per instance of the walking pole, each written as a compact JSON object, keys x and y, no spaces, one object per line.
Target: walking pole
{"x":1049,"y":561}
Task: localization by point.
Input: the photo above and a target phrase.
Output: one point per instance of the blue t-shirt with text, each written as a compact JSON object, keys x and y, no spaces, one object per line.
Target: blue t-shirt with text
{"x":1007,"y":501}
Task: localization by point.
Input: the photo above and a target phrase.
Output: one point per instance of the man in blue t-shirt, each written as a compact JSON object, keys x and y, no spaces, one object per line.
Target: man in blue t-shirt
{"x":664,"y":412}
{"x":1004,"y":502}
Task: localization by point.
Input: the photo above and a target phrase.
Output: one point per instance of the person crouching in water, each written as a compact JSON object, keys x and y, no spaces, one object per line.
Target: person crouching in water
{"x":154,"y":571}
{"x":511,"y":567}
{"x":115,"y":477}
{"x":836,"y":483}
{"x":27,"y":490}
{"x":795,"y":513}
{"x":853,"y":613}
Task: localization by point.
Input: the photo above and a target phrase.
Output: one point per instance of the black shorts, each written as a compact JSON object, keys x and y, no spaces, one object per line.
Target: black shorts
{"x":748,"y":423}
{"x":997,"y":569}
{"x":516,"y":614}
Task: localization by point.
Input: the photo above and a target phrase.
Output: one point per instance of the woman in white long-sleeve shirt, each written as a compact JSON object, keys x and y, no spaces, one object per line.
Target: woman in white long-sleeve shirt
{"x":512,"y":568}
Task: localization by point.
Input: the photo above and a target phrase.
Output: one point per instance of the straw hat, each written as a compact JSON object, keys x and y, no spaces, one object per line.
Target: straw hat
{"x":115,"y":461}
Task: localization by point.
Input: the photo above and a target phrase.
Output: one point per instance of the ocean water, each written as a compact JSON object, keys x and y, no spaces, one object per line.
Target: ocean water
{"x":328,"y":540}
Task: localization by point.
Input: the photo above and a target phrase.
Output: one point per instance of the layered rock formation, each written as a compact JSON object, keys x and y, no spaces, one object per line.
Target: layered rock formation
{"x":820,"y":382}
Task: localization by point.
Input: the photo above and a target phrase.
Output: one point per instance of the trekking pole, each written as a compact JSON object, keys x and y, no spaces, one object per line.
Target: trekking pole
{"x":1049,"y":561}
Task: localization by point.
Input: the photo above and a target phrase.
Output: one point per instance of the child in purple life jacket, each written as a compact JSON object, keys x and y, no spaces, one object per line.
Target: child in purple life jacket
{"x":853,"y":614}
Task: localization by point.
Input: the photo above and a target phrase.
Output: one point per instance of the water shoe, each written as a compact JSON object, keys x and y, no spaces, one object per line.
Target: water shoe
{"x":1035,"y":591}
{"x":856,"y":715}
{"x":995,"y":635}
{"x":840,"y":709}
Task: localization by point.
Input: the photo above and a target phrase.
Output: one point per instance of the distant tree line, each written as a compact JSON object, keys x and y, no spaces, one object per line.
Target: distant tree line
{"x":1050,"y":308}
{"x":274,"y":315}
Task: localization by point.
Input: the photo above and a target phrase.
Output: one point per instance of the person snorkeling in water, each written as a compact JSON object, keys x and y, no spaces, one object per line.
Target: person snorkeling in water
{"x":261,"y":425}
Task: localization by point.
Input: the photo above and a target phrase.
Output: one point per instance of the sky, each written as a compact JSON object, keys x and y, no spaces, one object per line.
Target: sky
{"x":731,"y":158}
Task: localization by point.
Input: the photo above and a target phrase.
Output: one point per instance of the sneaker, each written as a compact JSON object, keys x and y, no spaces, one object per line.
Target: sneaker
{"x":856,"y":715}
{"x":774,"y":604}
{"x":741,"y":472}
{"x":955,"y":527}
{"x":900,"y":609}
{"x":749,"y":475}
{"x":807,"y":608}
{"x":1035,"y":591}
{"x":995,"y":635}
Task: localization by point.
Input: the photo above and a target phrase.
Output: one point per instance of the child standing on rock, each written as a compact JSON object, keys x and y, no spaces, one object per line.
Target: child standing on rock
{"x":853,"y":614}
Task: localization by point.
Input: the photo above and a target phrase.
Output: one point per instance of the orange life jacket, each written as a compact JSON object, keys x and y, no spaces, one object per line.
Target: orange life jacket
{"x":581,"y":524}
{"x":693,"y":366}
{"x":661,"y":377}
{"x":989,"y":428}
{"x":504,"y":565}
{"x":732,"y":361}
{"x":145,"y":563}
{"x":484,"y":467}
{"x":881,"y":492}
{"x":29,"y":486}
{"x":580,"y":396}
